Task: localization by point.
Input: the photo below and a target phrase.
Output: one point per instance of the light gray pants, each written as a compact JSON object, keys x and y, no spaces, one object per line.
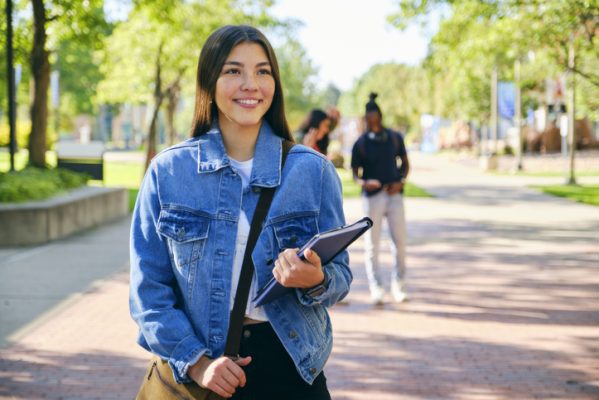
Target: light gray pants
{"x":377,"y":207}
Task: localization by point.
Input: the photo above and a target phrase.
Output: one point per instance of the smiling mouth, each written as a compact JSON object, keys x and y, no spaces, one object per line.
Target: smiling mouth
{"x":248,"y":102}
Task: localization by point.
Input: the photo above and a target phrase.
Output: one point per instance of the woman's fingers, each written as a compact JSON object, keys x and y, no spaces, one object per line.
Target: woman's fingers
{"x":291,"y":258}
{"x":312,"y":257}
{"x":286,"y":262}
{"x":239,"y":373}
{"x":282,"y":270}
{"x":221,"y":389}
{"x":291,"y":271}
{"x":242,"y":362}
{"x":223,"y":376}
{"x":277,"y":274}
{"x":231,"y":378}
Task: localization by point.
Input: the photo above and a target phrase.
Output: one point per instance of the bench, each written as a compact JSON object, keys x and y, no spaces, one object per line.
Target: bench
{"x":82,"y":157}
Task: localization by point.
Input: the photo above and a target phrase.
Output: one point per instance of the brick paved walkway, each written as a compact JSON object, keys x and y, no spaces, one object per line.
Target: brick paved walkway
{"x":504,"y":304}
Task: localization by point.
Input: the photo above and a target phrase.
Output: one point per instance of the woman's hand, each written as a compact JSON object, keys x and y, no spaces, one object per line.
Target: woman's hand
{"x":221,"y":375}
{"x":310,"y":138}
{"x":291,"y":271}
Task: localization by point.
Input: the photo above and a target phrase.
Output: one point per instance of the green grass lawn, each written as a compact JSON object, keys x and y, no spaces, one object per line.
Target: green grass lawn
{"x":583,"y":194}
{"x":129,"y":175}
{"x":21,"y":160}
{"x":351,"y":188}
{"x":549,"y":174}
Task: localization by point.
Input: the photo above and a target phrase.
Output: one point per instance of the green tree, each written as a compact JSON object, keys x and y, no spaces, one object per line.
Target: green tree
{"x":76,"y":61}
{"x":478,"y":35}
{"x":298,"y":79}
{"x":70,"y":20}
{"x":403,"y":94}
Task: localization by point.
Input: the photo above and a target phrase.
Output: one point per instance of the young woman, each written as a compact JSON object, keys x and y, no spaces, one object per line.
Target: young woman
{"x":315,"y":130}
{"x":190,"y":228}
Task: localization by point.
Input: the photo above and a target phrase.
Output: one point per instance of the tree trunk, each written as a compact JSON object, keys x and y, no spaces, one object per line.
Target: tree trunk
{"x":152,"y":133}
{"x":40,"y":69}
{"x":172,"y":96}
{"x":158,"y":97}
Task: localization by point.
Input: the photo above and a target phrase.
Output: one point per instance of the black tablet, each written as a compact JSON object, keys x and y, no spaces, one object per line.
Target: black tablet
{"x":327,"y":245}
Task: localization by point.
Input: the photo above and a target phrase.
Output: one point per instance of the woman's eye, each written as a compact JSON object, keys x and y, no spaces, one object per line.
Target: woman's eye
{"x":231,"y":71}
{"x":264,"y":71}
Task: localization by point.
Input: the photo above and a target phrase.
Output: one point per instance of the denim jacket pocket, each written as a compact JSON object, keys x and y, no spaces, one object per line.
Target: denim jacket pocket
{"x":186,"y":232}
{"x":295,"y":230}
{"x":317,"y":319}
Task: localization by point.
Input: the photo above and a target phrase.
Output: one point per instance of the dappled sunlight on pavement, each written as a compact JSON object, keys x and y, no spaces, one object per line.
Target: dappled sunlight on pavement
{"x":503,"y":303}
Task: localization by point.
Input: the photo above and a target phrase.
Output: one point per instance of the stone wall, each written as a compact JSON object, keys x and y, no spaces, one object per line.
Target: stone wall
{"x":39,"y":222}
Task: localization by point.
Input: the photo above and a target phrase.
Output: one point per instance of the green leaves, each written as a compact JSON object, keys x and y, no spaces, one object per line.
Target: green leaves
{"x":297,"y":73}
{"x":182,"y":27}
{"x":476,"y":35}
{"x":403,"y":94}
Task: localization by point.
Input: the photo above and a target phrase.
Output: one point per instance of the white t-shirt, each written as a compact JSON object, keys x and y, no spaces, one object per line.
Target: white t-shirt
{"x":244,"y":169}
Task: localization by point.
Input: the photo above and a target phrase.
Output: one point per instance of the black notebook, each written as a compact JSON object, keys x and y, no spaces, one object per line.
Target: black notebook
{"x":327,"y":245}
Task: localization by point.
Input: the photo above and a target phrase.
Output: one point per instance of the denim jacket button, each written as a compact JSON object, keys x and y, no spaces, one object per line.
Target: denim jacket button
{"x":293,"y":239}
{"x":313,"y":371}
{"x":292,"y":335}
{"x":256,"y":189}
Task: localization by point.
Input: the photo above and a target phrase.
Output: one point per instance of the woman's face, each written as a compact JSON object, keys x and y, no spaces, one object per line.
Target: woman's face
{"x":245,"y":87}
{"x":323,"y":128}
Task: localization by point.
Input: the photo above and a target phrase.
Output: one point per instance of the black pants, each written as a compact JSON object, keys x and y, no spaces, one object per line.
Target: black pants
{"x":272,"y":375}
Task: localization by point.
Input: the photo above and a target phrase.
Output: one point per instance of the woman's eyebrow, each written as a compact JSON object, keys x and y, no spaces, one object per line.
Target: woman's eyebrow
{"x":240,"y":64}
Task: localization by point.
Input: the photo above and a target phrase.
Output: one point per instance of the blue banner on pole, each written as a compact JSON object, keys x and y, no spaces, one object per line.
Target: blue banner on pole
{"x":506,"y":99}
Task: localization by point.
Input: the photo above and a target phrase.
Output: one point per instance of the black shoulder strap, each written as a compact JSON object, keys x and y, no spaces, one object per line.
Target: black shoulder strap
{"x":247,"y":268}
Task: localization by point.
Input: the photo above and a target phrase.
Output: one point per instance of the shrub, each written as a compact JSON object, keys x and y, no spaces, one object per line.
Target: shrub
{"x":37,"y":183}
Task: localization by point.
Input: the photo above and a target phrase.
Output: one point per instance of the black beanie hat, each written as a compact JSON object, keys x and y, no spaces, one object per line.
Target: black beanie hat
{"x":371,"y":105}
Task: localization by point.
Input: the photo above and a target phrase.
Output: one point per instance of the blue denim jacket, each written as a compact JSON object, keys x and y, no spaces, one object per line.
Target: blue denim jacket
{"x":183,"y":243}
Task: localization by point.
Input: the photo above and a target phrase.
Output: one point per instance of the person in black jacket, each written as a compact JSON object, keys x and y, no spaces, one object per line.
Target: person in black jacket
{"x":380,"y":166}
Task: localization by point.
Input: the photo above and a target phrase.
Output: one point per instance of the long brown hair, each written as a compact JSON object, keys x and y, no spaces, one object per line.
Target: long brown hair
{"x":212,"y":58}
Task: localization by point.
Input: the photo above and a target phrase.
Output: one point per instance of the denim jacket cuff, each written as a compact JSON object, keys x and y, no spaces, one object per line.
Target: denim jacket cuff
{"x":186,"y":354}
{"x":308,"y":300}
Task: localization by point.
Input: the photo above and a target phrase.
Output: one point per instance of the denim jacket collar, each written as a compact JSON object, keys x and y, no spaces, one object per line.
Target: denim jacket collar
{"x":266,"y":171}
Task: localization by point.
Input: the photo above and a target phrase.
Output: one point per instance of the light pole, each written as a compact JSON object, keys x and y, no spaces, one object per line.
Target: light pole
{"x":518,"y":113}
{"x":494,"y":117}
{"x":571,"y":180}
{"x":10,"y":70}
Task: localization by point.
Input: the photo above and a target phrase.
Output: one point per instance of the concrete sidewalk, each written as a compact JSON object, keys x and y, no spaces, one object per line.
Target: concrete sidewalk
{"x":503,"y":304}
{"x":38,"y":280}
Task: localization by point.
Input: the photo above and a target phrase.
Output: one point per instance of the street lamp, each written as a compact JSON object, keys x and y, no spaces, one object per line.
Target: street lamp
{"x":10,"y":70}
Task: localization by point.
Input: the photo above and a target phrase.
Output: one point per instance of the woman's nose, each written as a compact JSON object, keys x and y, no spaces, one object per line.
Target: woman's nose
{"x":249,"y":82}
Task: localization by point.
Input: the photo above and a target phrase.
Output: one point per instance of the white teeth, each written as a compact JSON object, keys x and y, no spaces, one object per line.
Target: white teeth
{"x":248,"y":102}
